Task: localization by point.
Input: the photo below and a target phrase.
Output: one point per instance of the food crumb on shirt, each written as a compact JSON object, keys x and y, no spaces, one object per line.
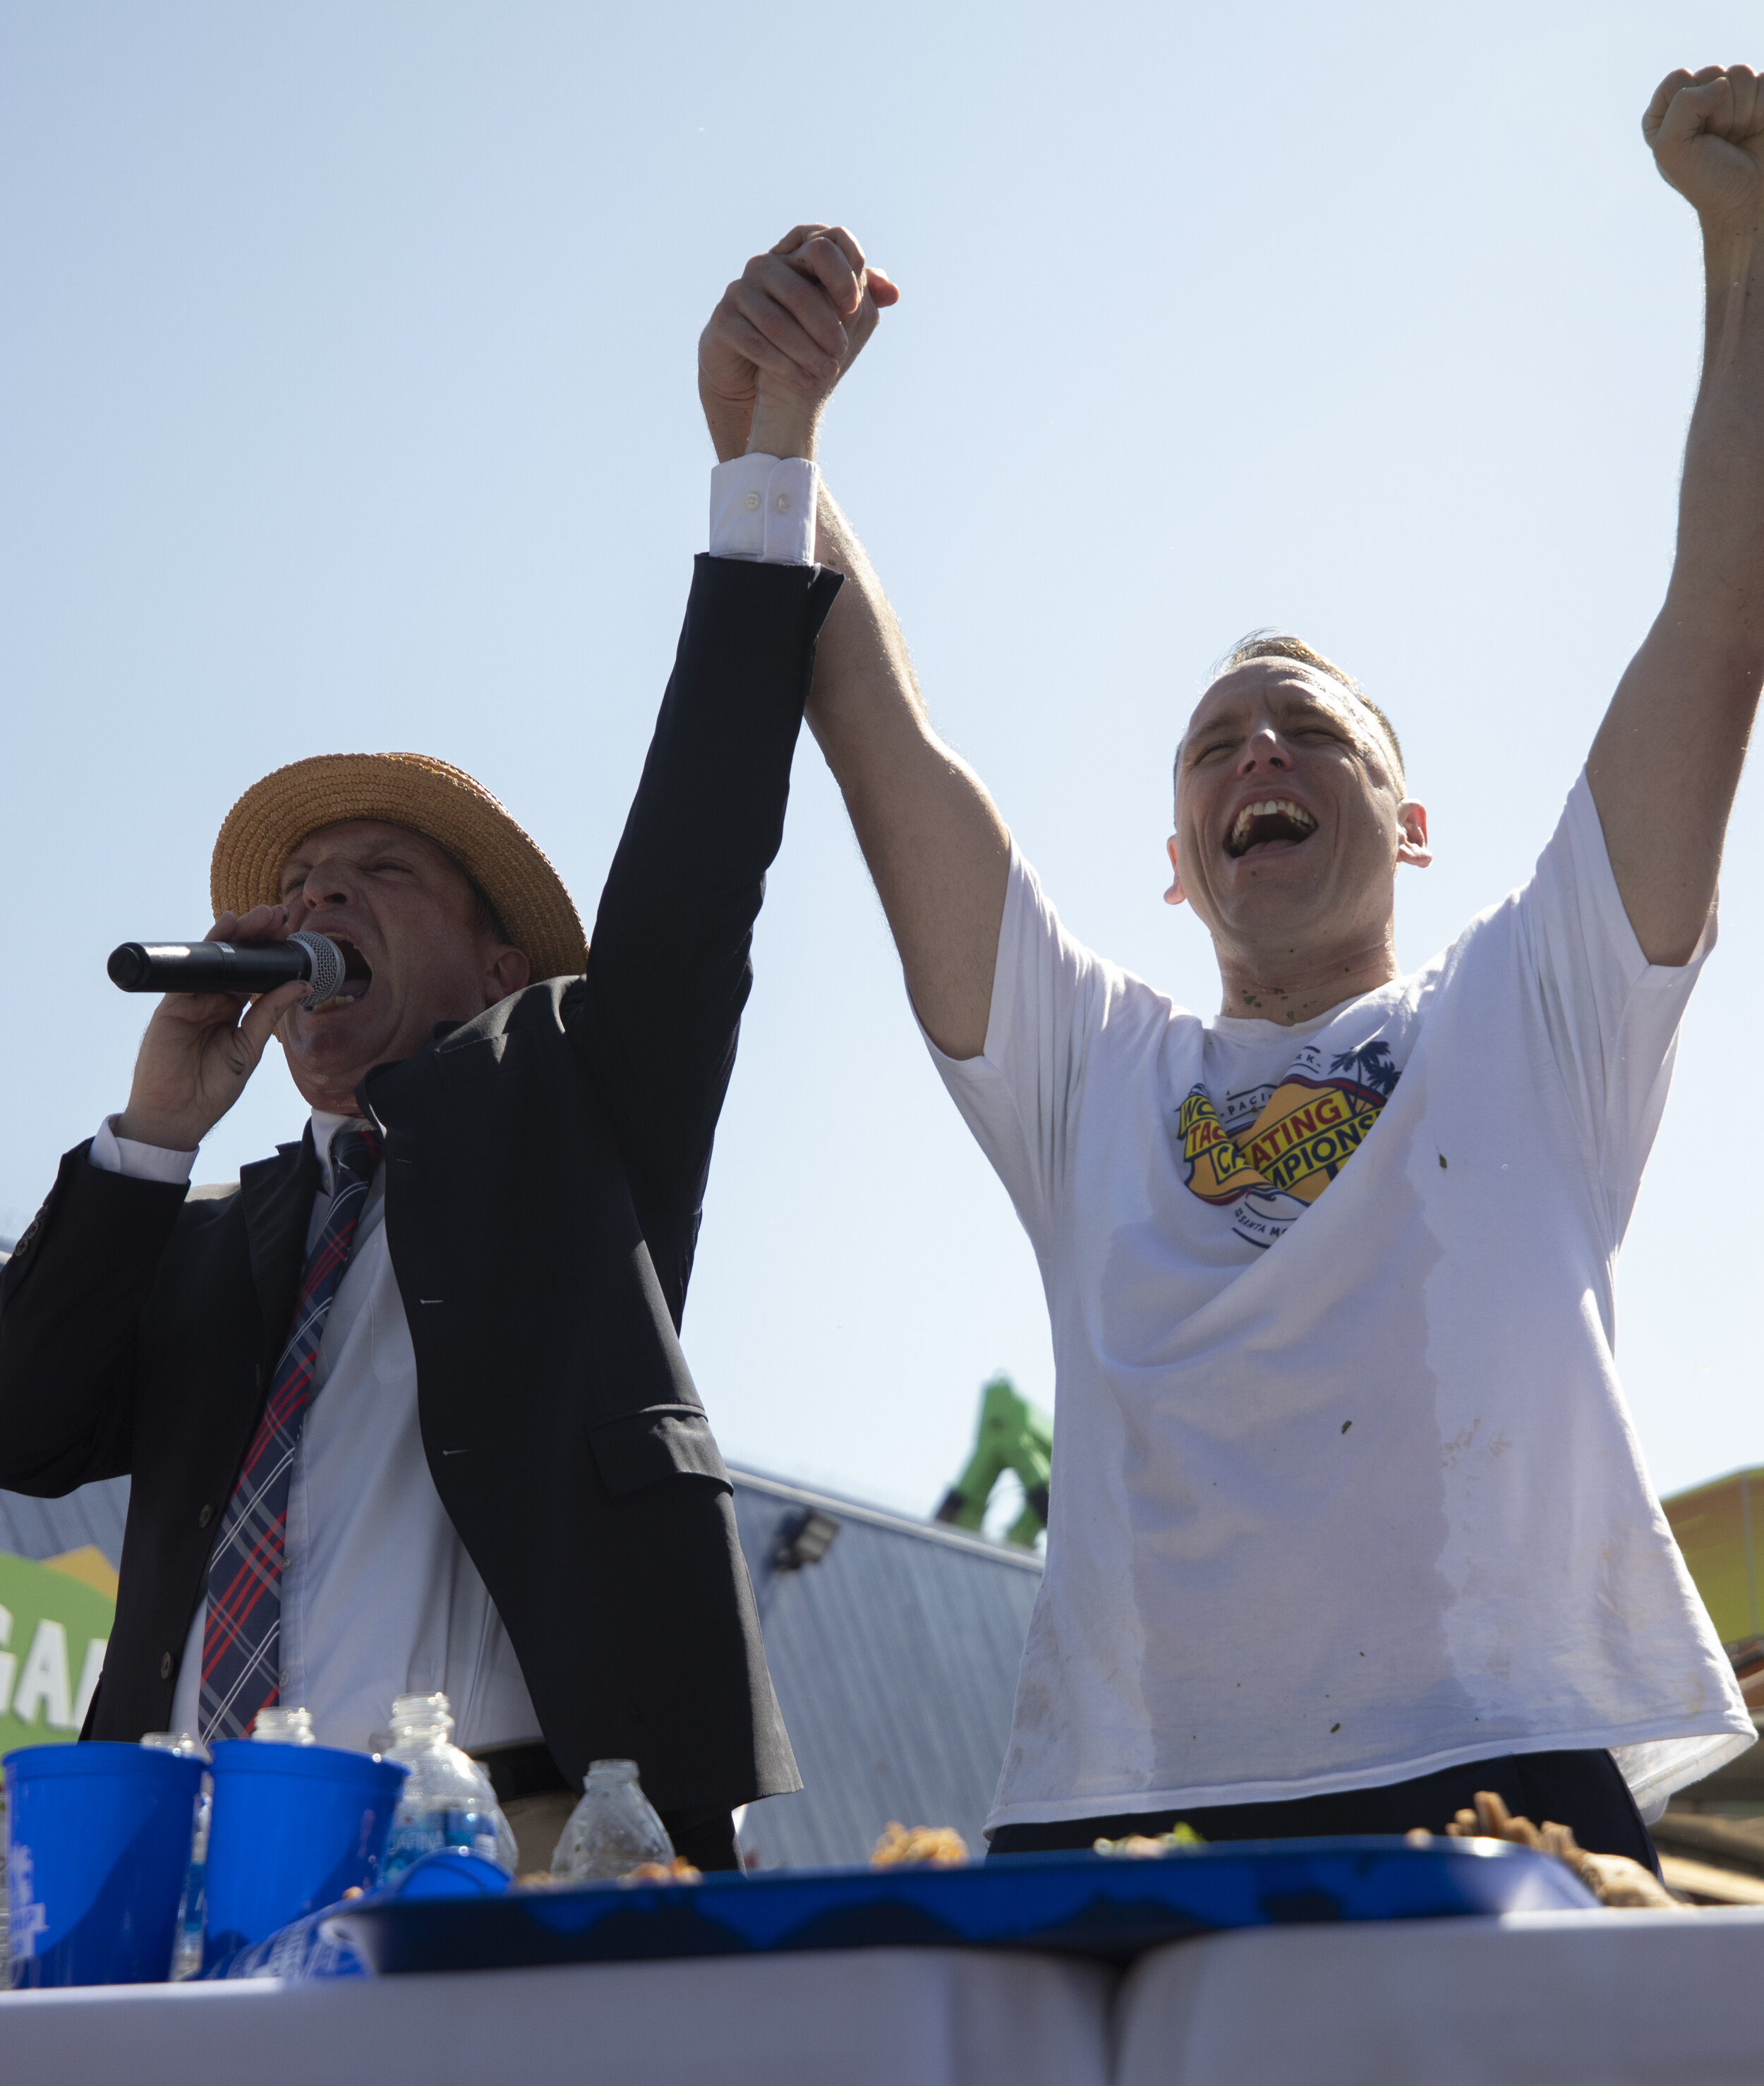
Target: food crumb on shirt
{"x":1442,"y":1162}
{"x":1346,"y":1424}
{"x":1335,"y":1727}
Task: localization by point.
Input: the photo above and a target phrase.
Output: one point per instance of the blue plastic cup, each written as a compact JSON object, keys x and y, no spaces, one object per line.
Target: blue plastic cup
{"x":98,"y":1838}
{"x":294,"y":1828}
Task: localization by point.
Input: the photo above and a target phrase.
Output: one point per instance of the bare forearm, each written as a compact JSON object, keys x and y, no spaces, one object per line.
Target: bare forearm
{"x":932,"y":837}
{"x":1719,"y":572}
{"x":1666,"y":763}
{"x":776,"y":345}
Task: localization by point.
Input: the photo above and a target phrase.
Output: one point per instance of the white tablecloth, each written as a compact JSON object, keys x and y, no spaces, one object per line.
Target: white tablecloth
{"x":862,"y":2017}
{"x":1560,"y":1999}
{"x":1620,"y":1998}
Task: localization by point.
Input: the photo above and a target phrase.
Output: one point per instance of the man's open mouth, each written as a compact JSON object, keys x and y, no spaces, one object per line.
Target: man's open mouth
{"x":357,"y":976}
{"x":1272,"y":819}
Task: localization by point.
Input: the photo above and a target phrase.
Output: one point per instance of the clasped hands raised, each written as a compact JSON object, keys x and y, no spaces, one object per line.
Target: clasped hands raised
{"x":782,"y":336}
{"x":785,"y":332}
{"x":793,"y":322}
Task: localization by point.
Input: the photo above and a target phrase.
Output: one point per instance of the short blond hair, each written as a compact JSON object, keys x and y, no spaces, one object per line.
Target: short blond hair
{"x":1283,"y":645}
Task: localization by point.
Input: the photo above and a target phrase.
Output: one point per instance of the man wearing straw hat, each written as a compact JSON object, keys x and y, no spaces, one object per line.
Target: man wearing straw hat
{"x":408,"y":1410}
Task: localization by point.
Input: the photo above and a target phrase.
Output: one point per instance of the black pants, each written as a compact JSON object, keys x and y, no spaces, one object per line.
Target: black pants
{"x":1583,"y":1791}
{"x":705,"y":1838}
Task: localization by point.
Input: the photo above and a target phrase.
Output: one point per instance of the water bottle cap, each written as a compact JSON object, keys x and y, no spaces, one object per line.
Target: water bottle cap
{"x":420,"y":1716}
{"x":284,"y":1727}
{"x":611,"y":1770}
{"x":184,"y":1743}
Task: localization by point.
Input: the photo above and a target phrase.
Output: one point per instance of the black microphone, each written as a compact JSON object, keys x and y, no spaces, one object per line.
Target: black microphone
{"x":228,"y":967}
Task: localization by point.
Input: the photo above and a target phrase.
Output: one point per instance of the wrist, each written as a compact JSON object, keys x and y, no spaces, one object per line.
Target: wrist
{"x":728,"y":419}
{"x":1731,"y":252}
{"x":831,"y":547}
{"x":144,"y":1127}
{"x":786,"y":427}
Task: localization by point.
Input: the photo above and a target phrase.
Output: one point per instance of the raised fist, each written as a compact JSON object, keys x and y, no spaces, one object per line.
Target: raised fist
{"x":1706,"y":130}
{"x":785,"y":332}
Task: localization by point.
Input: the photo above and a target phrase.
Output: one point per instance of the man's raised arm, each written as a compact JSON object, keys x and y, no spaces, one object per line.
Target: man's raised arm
{"x":935,"y":844}
{"x":1666,"y":763}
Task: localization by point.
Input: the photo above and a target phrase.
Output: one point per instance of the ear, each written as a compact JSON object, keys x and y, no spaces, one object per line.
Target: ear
{"x":1412,"y":824}
{"x":1176,"y":895}
{"x":506,"y":973}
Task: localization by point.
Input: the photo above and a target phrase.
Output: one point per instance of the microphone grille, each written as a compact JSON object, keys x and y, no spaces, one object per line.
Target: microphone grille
{"x":327,"y":961}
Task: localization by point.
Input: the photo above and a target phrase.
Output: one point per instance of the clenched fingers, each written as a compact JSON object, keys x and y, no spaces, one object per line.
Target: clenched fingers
{"x":832,"y":256}
{"x":793,"y":314}
{"x":262,"y":923}
{"x":1722,"y":99}
{"x":728,"y":331}
{"x":794,"y":280}
{"x":260,"y":1019}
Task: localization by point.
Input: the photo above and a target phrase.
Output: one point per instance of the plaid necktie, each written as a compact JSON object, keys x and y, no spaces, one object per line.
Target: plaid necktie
{"x":242,"y":1637}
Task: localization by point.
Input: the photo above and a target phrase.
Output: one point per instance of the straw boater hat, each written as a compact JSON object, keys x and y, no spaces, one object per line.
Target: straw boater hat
{"x":442,"y":803}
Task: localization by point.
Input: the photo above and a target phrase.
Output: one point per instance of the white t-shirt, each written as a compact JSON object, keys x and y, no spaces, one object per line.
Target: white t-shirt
{"x":1347,"y":1493}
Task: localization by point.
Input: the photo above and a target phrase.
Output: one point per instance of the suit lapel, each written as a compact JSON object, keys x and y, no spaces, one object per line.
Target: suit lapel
{"x":276,"y":1195}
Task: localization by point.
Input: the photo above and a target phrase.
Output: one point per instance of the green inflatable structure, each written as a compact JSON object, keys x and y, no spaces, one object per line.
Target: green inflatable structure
{"x":1013,"y":1436}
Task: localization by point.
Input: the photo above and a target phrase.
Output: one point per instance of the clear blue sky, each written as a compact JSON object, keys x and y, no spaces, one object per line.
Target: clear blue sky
{"x":347,"y":401}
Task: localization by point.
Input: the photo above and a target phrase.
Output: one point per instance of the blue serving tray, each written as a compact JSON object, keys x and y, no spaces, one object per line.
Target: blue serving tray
{"x":1082,"y":1904}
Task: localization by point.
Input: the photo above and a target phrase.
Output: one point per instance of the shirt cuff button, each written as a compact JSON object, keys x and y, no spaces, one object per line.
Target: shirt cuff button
{"x":751,"y":502}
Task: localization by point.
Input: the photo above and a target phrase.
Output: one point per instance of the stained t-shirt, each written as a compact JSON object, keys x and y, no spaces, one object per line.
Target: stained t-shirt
{"x":1345,"y":1490}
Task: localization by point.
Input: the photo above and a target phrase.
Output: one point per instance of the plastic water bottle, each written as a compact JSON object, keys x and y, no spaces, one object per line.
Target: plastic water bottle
{"x":284,"y":1727}
{"x":447,"y":1800}
{"x":193,"y":1906}
{"x":612,"y":1829}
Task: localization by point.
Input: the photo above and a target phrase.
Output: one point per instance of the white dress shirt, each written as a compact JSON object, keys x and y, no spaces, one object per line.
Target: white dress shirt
{"x":379,"y":1597}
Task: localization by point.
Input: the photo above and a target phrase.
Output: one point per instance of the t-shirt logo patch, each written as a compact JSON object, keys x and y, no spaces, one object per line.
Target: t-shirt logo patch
{"x":1309,"y":1129}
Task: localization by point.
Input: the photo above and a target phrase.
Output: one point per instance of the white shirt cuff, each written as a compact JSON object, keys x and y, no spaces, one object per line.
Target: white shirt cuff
{"x":762,"y":508}
{"x":111,"y":1154}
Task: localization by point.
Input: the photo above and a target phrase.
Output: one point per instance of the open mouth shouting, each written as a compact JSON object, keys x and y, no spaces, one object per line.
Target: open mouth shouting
{"x":358,"y":976}
{"x":1269,"y":822}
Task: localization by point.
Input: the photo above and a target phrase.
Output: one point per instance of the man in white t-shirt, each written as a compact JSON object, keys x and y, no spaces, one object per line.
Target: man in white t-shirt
{"x":1348,"y":1518}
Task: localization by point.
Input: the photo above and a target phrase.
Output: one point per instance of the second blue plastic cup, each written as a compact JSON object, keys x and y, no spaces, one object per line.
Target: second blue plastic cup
{"x":98,"y":1838}
{"x":294,"y":1828}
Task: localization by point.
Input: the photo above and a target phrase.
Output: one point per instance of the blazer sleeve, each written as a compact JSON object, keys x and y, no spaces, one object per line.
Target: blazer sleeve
{"x":669,"y":969}
{"x":71,"y":1298}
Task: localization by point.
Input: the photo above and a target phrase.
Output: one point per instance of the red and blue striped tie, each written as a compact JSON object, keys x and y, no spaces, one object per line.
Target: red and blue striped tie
{"x":242,"y":1637}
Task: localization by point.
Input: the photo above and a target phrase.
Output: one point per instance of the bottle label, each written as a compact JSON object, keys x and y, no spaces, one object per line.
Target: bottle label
{"x":426,"y":1832}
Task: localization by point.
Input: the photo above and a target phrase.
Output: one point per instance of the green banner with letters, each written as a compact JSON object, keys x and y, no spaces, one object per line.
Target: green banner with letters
{"x":53,"y":1628}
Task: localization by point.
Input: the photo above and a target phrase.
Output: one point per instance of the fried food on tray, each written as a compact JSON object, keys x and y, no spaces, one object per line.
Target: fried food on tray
{"x":939,"y":1846}
{"x":1137,"y":1846}
{"x":1613,"y":1879}
{"x":678,"y":1870}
